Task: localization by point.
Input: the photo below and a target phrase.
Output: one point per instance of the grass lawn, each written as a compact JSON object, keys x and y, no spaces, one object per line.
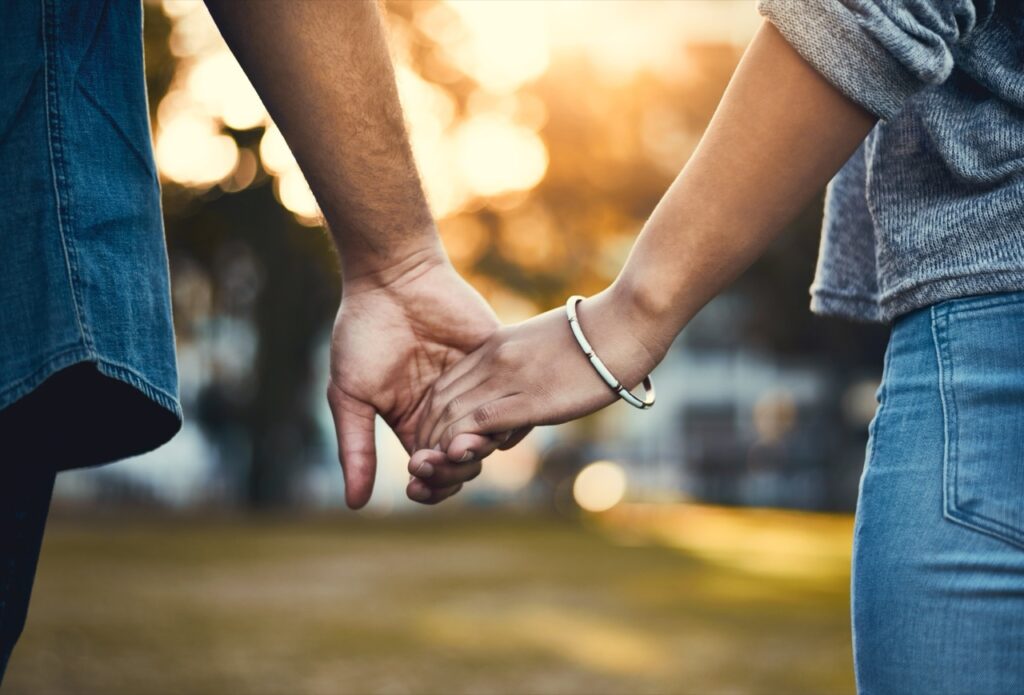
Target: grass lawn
{"x":641,"y":600}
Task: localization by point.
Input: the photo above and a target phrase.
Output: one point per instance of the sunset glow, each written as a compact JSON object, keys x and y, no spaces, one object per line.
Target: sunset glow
{"x":503,"y":46}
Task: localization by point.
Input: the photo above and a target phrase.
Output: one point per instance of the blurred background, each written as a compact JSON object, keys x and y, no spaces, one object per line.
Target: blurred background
{"x":699,"y":547}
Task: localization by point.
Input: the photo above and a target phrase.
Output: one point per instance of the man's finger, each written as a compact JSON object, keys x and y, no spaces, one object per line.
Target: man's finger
{"x":357,"y":449}
{"x":417,"y":491}
{"x":444,"y":473}
{"x":423,"y":462}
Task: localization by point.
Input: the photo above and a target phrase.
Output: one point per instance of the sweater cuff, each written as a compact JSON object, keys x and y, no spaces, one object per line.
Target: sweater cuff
{"x":827,"y":35}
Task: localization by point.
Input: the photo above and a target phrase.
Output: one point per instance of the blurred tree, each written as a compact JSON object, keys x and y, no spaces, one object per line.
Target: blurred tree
{"x":296,"y":290}
{"x":267,"y":270}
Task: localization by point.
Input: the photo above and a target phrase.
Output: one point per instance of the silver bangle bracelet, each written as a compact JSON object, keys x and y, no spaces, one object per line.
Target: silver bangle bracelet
{"x":613,"y":383}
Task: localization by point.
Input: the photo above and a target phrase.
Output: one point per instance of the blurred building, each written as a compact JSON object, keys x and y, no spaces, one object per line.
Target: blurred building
{"x":737,"y":425}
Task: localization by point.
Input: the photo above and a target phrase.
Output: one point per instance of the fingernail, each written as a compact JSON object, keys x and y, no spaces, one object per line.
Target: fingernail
{"x":425,"y":470}
{"x":468,"y":456}
{"x":419,"y":493}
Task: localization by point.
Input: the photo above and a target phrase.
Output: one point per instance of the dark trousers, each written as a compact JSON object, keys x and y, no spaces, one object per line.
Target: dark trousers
{"x":24,"y":502}
{"x":77,"y":417}
{"x":36,"y":432}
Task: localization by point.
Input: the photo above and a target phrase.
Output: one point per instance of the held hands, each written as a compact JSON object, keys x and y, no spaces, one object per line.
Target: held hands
{"x":394,"y":336}
{"x":533,"y":373}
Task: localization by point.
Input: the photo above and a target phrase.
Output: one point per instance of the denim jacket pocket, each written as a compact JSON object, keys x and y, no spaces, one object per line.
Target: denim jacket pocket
{"x":979,"y":342}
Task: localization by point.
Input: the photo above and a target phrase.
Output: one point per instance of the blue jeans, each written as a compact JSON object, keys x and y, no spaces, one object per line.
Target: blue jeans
{"x":938,"y":568}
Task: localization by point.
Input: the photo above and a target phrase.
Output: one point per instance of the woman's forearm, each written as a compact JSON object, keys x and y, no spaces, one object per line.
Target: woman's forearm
{"x":780,"y":133}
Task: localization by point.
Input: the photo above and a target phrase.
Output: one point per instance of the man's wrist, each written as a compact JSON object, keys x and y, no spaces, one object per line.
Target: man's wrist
{"x":368,"y":270}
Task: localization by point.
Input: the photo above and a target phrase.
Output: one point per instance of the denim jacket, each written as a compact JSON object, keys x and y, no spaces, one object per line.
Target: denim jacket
{"x":83,"y":262}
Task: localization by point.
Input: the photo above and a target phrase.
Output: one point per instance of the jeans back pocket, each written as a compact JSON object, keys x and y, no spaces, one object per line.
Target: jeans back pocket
{"x":979,"y":342}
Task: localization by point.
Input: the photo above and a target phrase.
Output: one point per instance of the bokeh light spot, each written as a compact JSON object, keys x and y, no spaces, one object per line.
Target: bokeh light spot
{"x":495,"y":155}
{"x":600,"y":486}
{"x":192,"y":152}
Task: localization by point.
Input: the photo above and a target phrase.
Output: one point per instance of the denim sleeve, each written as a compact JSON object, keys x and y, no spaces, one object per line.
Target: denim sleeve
{"x":878,"y":52}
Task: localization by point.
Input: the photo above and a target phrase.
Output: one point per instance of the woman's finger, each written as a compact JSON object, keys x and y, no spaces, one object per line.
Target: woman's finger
{"x":459,"y":405}
{"x":488,"y":416}
{"x":469,"y":446}
{"x":466,"y":447}
{"x":439,"y":397}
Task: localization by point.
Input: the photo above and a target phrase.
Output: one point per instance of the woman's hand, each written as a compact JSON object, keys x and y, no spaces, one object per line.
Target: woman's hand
{"x":535,"y":373}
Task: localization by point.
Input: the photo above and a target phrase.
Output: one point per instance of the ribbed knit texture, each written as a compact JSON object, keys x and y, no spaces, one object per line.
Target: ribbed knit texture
{"x":931,"y":206}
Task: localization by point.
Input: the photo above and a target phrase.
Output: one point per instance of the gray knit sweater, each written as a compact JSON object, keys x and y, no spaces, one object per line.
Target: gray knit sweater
{"x":931,"y":207}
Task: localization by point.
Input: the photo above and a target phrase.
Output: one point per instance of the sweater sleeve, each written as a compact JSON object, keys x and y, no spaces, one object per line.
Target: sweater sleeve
{"x":878,"y":52}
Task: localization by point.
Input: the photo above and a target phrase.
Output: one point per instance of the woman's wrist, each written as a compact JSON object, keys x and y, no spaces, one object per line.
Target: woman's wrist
{"x":628,"y":342}
{"x":652,"y":317}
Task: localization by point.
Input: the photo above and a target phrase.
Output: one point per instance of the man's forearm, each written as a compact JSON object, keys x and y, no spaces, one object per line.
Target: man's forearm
{"x":323,"y":71}
{"x":780,"y":133}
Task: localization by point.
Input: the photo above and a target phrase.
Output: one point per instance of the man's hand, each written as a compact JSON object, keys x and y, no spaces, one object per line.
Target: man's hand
{"x":395,"y":333}
{"x":323,"y":71}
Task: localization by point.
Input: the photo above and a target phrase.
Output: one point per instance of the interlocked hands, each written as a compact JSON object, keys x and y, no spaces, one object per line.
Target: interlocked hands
{"x":425,"y":352}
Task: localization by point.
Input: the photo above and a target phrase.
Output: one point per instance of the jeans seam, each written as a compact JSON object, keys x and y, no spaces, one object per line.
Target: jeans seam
{"x":107,"y":367}
{"x":61,"y":189}
{"x":122,"y":372}
{"x":946,"y":406}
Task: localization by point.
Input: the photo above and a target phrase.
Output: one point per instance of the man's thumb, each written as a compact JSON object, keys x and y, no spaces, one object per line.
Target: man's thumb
{"x":357,"y":450}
